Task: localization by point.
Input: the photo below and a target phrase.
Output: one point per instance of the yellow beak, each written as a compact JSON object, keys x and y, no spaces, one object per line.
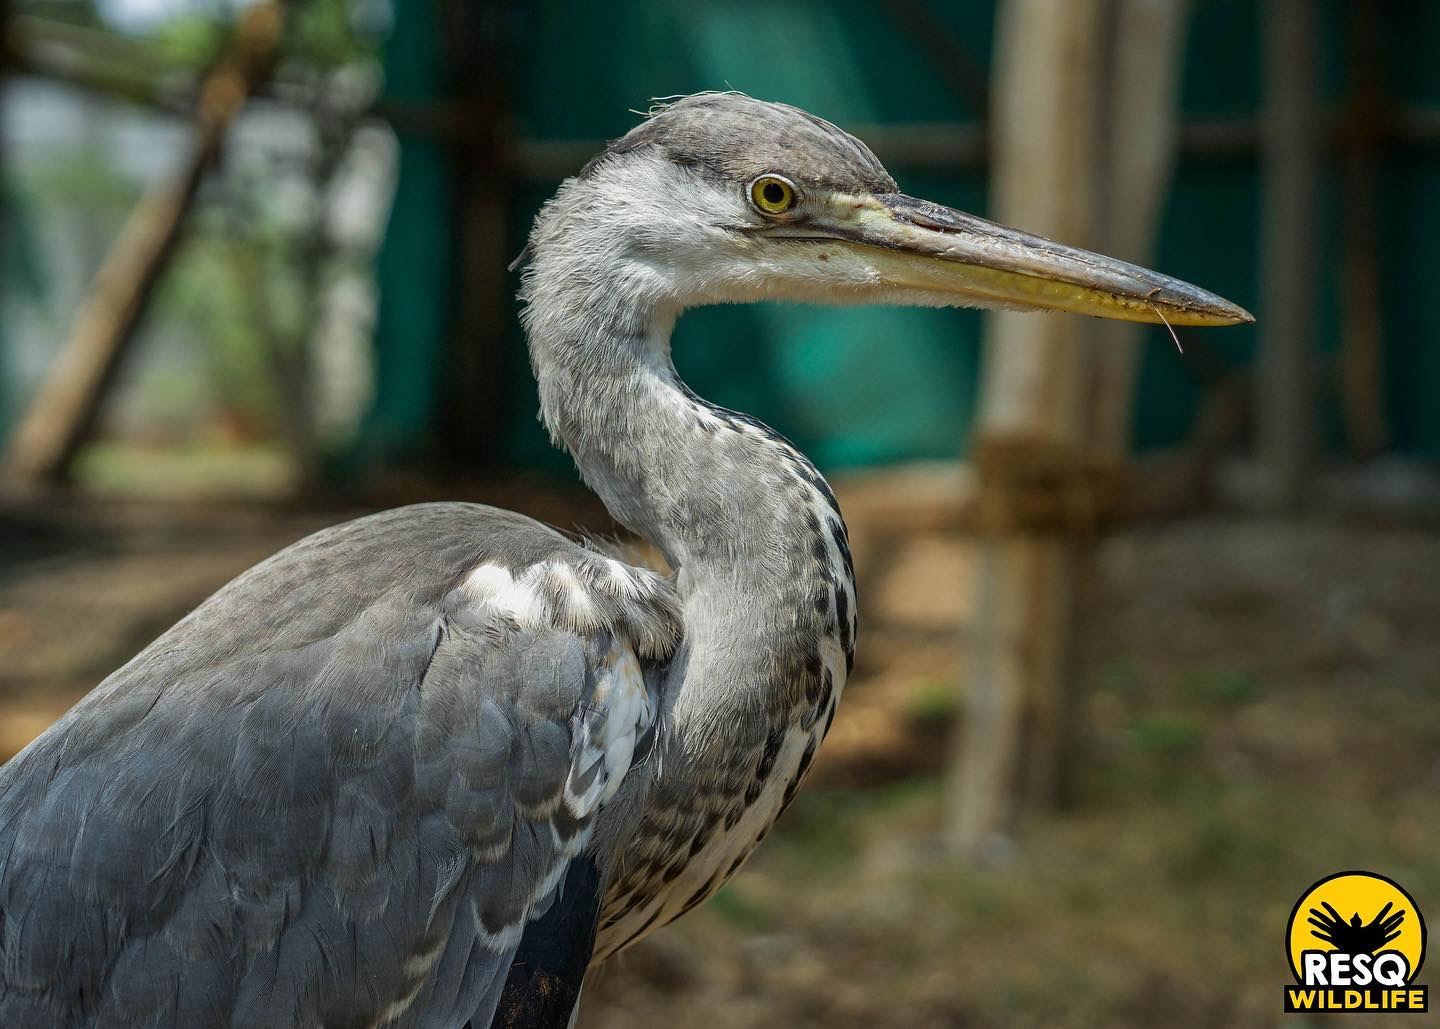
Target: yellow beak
{"x":914,"y":244}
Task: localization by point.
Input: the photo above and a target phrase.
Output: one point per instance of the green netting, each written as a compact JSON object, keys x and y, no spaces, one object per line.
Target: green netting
{"x":415,"y":261}
{"x":873,"y":386}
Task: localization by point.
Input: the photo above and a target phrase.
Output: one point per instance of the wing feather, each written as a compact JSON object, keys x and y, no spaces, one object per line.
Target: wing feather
{"x":338,"y":790}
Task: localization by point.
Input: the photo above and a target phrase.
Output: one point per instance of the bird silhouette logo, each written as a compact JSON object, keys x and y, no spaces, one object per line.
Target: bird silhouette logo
{"x":1356,"y":941}
{"x":1355,"y":936}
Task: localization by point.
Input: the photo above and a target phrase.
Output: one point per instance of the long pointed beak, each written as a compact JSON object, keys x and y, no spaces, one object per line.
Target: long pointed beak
{"x":914,"y":244}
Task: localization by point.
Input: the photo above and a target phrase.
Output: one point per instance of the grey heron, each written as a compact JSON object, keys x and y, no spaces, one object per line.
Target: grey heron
{"x":426,"y":767}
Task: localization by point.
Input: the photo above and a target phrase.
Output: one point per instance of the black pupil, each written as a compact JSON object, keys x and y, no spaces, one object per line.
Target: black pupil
{"x":774,"y":193}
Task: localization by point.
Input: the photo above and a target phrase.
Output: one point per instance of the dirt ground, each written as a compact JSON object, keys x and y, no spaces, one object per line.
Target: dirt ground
{"x":1258,"y":706}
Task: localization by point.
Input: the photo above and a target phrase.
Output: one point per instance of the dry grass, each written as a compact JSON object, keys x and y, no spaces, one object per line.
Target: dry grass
{"x":1261,"y":707}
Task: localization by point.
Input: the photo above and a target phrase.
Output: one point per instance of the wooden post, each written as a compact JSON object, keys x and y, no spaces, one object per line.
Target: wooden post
{"x":1285,"y":380}
{"x":1147,"y":49}
{"x":1047,"y":91}
{"x":1084,"y":148}
{"x":64,"y":410}
{"x":1146,"y":45}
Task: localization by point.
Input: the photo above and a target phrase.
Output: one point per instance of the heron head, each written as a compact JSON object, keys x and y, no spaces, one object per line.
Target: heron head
{"x":722,"y":198}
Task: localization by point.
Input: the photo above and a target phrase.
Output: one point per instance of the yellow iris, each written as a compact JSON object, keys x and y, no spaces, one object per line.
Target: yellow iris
{"x":772,"y":194}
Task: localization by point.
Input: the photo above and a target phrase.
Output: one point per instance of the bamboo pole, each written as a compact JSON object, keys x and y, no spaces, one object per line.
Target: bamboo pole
{"x":1141,"y":146}
{"x":64,"y":410}
{"x":1048,"y":85}
{"x":1085,"y":142}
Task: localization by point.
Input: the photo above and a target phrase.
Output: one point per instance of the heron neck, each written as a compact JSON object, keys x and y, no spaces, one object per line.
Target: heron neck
{"x":761,"y":553}
{"x":716,"y":491}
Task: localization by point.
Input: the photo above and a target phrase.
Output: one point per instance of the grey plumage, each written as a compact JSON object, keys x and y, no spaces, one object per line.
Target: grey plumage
{"x":704,"y":131}
{"x":319,"y":793}
{"x":340,"y":790}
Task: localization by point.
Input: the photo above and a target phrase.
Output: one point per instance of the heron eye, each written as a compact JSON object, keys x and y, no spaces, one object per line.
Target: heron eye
{"x":772,"y":194}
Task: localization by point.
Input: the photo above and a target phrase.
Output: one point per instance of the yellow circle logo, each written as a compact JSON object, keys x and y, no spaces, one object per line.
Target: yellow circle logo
{"x":1356,"y":941}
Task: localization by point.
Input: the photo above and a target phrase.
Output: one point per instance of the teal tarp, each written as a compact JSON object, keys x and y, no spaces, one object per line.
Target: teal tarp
{"x":879,"y":385}
{"x":415,"y":261}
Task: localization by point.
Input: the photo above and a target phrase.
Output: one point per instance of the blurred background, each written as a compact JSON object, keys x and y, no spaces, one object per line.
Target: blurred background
{"x":1150,"y":626}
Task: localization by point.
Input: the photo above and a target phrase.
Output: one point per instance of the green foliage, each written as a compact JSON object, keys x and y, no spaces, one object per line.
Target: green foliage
{"x":238,"y":295}
{"x":1161,"y":732}
{"x":740,"y":912}
{"x":1221,"y":686}
{"x":820,"y":829}
{"x":933,"y":701}
{"x":193,"y":39}
{"x":825,"y":830}
{"x":324,"y":34}
{"x":74,"y":12}
{"x":1121,"y":677}
{"x":81,"y":175}
{"x":205,"y":294}
{"x":1170,"y":733}
{"x":328,"y":33}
